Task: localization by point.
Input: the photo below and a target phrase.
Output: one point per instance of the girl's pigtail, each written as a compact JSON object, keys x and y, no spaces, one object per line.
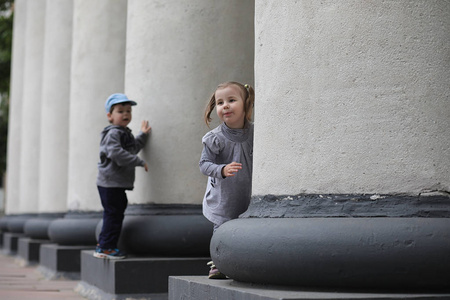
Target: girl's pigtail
{"x":209,"y":108}
{"x":249,"y":102}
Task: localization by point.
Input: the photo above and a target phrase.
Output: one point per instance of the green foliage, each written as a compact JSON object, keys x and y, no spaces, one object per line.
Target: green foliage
{"x":6,"y":24}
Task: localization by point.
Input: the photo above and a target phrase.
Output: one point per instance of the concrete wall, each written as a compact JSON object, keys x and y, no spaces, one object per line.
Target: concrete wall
{"x":98,"y":70}
{"x":351,"y":148}
{"x":352,"y":97}
{"x":31,"y":107}
{"x":55,"y":107}
{"x":15,"y":108}
{"x":177,"y":53}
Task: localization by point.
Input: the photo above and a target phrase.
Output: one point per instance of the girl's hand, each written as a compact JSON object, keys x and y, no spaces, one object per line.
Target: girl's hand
{"x":146,"y":167}
{"x":231,"y":169}
{"x":145,"y":127}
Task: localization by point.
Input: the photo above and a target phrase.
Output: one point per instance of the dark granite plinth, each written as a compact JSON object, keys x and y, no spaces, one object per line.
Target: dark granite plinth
{"x":137,"y":275}
{"x":10,"y":241}
{"x":201,"y":288}
{"x":29,"y":249}
{"x":58,"y":261}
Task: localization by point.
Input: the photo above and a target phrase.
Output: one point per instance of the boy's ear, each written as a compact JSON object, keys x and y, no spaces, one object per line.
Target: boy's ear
{"x":109,"y":116}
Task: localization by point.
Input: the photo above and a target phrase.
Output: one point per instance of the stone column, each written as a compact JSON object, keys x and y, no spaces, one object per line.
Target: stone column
{"x":12,"y":186}
{"x":54,"y":117}
{"x":172,"y":68}
{"x":97,"y":70}
{"x":15,"y":108}
{"x":55,"y":107}
{"x":351,"y":155}
{"x":31,"y":109}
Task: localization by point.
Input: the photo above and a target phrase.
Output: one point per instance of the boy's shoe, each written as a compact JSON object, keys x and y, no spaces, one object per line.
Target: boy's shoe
{"x":108,"y":253}
{"x":214,"y":273}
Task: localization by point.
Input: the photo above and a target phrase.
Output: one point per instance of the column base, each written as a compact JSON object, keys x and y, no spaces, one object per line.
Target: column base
{"x":137,"y":276}
{"x":200,"y":287}
{"x":29,"y":249}
{"x":61,"y":262}
{"x":10,"y":241}
{"x":76,"y":228}
{"x":374,"y":253}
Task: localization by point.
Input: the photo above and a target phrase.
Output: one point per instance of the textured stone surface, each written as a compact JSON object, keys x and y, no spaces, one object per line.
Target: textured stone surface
{"x":137,"y":275}
{"x":172,"y":68}
{"x":316,"y":206}
{"x":409,"y":253}
{"x":201,"y":288}
{"x":352,"y":97}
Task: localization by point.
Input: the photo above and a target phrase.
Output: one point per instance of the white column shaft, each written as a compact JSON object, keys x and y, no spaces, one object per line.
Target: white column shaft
{"x":98,"y":68}
{"x":352,"y":97}
{"x":177,"y":53}
{"x":55,"y":106}
{"x":15,"y":108}
{"x":31,"y":109}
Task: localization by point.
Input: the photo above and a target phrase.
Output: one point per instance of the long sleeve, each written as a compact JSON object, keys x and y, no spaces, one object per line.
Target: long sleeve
{"x":208,"y":161}
{"x":141,"y":140}
{"x":226,"y":198}
{"x":119,"y":155}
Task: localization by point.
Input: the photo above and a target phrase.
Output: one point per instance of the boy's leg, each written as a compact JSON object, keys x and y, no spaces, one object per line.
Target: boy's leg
{"x":114,"y":202}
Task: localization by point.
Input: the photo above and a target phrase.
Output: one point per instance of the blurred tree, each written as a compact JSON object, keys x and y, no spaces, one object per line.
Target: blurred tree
{"x":6,"y":24}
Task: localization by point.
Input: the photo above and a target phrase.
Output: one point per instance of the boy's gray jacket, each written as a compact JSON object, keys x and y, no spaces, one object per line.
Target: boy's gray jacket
{"x":118,"y":159}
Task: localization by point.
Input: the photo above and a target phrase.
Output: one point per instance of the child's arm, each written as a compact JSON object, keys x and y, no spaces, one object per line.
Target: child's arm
{"x":141,"y":138}
{"x":145,"y":127}
{"x":208,"y":161}
{"x":231,"y":169}
{"x":119,"y":155}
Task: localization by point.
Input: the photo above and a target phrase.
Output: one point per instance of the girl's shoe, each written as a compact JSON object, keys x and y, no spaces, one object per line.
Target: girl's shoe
{"x":214,"y":273}
{"x":108,"y":253}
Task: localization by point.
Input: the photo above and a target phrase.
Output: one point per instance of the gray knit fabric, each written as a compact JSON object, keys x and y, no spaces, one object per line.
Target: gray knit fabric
{"x":118,"y":157}
{"x":226,"y":198}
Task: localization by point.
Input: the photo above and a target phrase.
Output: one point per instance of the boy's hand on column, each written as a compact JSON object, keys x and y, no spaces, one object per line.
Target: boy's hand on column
{"x":145,"y":127}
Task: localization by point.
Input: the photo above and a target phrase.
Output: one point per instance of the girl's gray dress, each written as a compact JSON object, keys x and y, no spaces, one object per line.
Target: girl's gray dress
{"x":227,"y":198}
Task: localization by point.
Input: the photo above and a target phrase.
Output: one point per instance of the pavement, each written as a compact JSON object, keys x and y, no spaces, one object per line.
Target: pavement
{"x":26,"y":282}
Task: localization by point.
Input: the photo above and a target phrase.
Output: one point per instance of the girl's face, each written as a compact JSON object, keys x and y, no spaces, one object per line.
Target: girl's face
{"x":230,"y":106}
{"x":121,"y":115}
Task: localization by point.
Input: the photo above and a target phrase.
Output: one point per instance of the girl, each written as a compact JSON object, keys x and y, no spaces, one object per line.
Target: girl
{"x":227,"y":156}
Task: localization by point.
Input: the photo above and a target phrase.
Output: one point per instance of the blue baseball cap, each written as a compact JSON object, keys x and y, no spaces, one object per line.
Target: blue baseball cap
{"x":115,"y":99}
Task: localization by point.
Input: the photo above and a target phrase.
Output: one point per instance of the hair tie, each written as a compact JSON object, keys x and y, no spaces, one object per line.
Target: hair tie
{"x":246,"y":86}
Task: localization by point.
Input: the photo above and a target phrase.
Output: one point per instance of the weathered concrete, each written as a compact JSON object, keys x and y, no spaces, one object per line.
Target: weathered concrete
{"x":172,"y":68}
{"x":29,"y":250}
{"x":168,"y":230}
{"x":10,"y":242}
{"x":15,"y":107}
{"x":352,"y":97}
{"x":348,"y":205}
{"x":137,"y":275}
{"x":97,"y":70}
{"x":54,"y":137}
{"x":31,"y":108}
{"x":200,"y":288}
{"x":409,"y":253}
{"x":58,"y":262}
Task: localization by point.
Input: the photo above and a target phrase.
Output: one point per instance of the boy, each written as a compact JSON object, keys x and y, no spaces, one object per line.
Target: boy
{"x":116,"y":171}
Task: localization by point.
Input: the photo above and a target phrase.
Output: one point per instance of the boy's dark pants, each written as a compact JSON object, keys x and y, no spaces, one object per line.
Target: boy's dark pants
{"x":114,"y":202}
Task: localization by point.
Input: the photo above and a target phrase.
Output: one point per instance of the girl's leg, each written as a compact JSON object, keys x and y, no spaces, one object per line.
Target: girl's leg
{"x":214,"y":273}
